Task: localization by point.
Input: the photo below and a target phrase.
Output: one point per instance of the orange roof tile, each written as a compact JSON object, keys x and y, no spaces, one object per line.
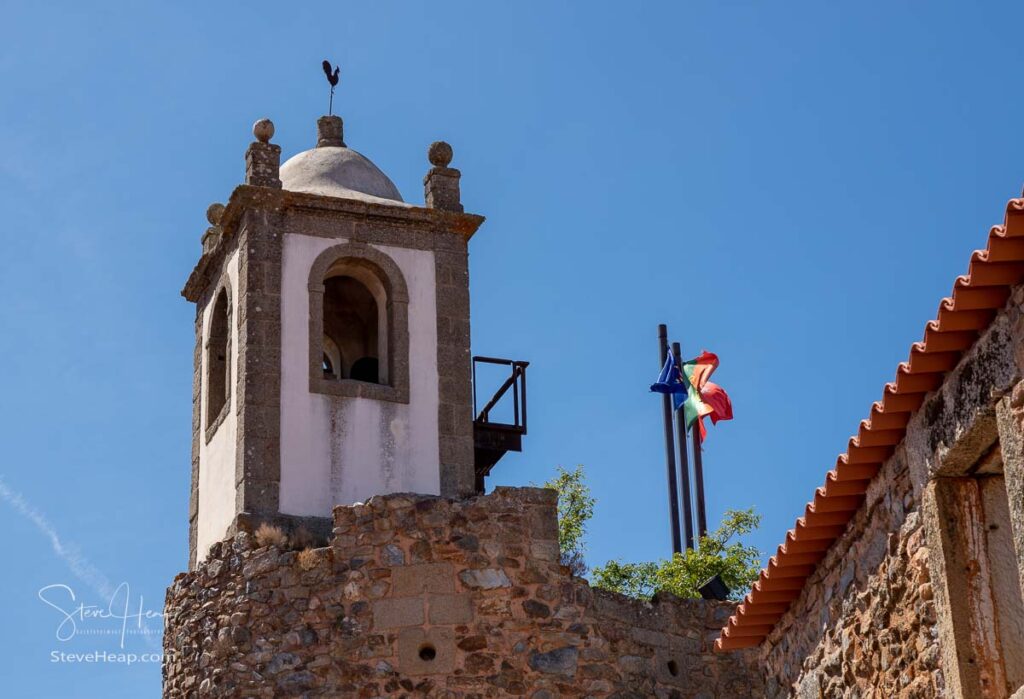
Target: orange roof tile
{"x":976,"y":299}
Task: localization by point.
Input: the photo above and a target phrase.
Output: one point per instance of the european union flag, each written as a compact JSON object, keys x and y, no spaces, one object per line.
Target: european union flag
{"x":671,"y":381}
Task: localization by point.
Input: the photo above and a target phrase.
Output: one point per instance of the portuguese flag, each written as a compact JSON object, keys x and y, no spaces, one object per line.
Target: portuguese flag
{"x":690,"y":390}
{"x":704,"y":398}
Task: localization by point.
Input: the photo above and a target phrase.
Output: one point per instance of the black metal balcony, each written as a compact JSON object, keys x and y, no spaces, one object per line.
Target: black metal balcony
{"x":494,"y":439}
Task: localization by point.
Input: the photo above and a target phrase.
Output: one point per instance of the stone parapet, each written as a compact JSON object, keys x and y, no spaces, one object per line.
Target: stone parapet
{"x":427,"y":596}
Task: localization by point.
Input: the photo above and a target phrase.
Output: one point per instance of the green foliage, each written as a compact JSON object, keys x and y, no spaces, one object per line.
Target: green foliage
{"x":717,"y":552}
{"x":632,"y":579}
{"x":736,"y":563}
{"x":575,"y":508}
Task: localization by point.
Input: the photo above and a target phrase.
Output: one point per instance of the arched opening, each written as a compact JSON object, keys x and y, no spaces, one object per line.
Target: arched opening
{"x":353,"y":331}
{"x":218,"y":349}
{"x":332,"y":359}
{"x":358,"y":325}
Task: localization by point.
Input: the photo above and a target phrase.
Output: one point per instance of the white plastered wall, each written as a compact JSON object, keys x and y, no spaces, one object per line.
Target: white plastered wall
{"x":337,"y":450}
{"x":217,"y":459}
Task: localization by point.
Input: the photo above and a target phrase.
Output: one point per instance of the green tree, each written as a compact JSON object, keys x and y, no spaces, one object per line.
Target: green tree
{"x":717,"y":554}
{"x":575,"y":508}
{"x":632,"y":579}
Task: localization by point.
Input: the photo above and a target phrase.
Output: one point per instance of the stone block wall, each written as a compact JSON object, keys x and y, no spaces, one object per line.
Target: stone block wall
{"x":866,"y":623}
{"x":897,"y":605}
{"x":425,"y":596}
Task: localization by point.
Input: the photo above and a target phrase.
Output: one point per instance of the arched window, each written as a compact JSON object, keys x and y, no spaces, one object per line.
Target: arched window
{"x":218,"y":364}
{"x":352,"y":329}
{"x":358,"y":324}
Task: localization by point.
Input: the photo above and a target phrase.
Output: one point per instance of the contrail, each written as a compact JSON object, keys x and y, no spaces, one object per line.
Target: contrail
{"x":69,"y":553}
{"x":79,"y":565}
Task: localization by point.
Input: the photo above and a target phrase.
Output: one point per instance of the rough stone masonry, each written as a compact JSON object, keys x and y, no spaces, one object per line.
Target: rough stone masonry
{"x":909,"y":602}
{"x":421,"y":596}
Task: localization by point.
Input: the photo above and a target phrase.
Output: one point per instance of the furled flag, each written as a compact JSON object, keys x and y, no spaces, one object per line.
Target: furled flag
{"x":691,"y":390}
{"x":671,"y":381}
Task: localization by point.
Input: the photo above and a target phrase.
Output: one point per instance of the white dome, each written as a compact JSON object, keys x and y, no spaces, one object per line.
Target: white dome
{"x":337,"y":171}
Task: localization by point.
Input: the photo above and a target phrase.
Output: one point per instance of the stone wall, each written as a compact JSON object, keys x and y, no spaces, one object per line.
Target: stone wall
{"x":866,"y":623}
{"x":425,"y":596}
{"x":884,"y":613}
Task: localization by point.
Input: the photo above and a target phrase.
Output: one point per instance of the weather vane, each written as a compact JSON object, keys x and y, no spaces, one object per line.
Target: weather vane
{"x":332,"y":78}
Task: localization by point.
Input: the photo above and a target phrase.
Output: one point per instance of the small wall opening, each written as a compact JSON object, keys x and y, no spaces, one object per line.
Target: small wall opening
{"x":427,"y":652}
{"x":986,"y":605}
{"x":352,"y":330}
{"x":218,"y":366}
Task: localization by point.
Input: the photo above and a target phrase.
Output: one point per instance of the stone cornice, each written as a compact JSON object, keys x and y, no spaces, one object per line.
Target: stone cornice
{"x":249,"y":198}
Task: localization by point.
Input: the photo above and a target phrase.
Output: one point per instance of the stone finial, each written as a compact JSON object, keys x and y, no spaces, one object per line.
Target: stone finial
{"x":263,"y":130}
{"x":441,"y":184}
{"x":330,"y":131}
{"x":214,"y":212}
{"x":212,"y":236}
{"x":440,"y":154}
{"x":263,"y":158}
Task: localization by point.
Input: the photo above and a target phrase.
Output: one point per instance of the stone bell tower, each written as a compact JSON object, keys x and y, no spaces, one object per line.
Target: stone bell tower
{"x":332,"y":340}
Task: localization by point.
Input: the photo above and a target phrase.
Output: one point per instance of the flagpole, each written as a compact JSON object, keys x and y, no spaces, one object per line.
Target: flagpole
{"x":684,"y":466}
{"x":670,"y":458}
{"x":698,"y":477}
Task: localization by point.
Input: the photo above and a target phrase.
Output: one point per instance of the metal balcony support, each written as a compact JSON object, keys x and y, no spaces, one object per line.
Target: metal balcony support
{"x":492,"y":440}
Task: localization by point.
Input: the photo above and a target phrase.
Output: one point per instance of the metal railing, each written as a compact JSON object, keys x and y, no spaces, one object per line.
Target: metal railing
{"x":516,"y":381}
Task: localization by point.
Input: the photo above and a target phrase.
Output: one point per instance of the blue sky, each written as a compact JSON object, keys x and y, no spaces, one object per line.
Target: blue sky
{"x":791,"y":185}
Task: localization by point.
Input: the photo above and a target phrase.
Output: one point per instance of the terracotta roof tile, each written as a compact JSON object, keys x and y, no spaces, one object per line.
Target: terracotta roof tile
{"x":976,"y":298}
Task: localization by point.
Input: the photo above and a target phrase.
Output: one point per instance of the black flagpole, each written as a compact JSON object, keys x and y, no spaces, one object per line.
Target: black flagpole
{"x":670,"y":457}
{"x":698,"y":478}
{"x":684,"y":466}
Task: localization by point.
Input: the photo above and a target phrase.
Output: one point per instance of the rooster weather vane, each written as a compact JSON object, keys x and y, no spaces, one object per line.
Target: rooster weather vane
{"x":332,"y":78}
